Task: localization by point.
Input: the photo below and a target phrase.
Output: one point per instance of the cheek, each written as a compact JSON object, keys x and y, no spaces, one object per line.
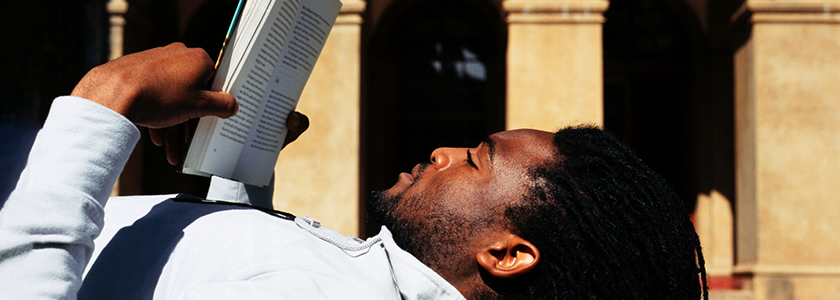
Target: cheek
{"x":428,"y":199}
{"x":466,"y":200}
{"x":510,"y":186}
{"x":456,"y":193}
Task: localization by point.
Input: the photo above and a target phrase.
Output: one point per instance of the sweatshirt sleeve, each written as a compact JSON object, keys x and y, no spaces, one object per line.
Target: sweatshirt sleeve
{"x":49,"y":221}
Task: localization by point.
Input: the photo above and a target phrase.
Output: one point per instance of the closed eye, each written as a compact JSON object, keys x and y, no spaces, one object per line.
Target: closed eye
{"x":470,"y":160}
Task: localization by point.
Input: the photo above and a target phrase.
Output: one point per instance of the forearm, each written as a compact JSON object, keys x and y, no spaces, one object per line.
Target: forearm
{"x":49,"y":221}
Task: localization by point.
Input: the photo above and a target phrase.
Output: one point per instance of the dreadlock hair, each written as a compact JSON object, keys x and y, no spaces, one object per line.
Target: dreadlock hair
{"x":606,"y":225}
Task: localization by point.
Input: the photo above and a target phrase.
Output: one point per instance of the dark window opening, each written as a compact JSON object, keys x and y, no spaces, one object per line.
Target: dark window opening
{"x":434,"y":78}
{"x":647,"y":87}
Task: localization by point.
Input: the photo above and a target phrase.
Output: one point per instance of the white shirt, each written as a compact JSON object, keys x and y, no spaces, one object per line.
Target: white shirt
{"x":152,"y":246}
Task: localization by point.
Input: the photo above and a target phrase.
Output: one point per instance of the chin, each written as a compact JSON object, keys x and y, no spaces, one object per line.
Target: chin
{"x":378,"y":206}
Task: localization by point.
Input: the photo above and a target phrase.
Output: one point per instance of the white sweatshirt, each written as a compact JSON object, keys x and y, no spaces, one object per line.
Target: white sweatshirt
{"x":152,"y":246}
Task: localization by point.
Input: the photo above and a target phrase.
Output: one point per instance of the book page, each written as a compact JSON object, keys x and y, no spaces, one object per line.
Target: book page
{"x":251,"y":78}
{"x":224,"y":151}
{"x":274,"y":48}
{"x":295,"y":41}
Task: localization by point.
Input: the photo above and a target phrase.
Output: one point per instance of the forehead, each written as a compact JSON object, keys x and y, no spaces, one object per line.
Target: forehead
{"x":521,"y":149}
{"x":529,"y":145}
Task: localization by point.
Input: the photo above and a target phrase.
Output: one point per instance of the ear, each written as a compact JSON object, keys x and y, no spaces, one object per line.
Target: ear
{"x":509,"y":256}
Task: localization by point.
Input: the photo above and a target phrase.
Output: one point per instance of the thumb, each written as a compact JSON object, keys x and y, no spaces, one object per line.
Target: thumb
{"x":218,"y":104}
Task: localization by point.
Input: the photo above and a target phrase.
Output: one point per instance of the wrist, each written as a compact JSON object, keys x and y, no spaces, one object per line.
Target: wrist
{"x":107,"y":89}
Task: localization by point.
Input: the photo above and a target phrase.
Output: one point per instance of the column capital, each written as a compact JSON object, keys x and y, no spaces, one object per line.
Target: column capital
{"x":117,"y":9}
{"x":117,"y":6}
{"x":351,"y":12}
{"x":555,"y":11}
{"x":788,"y":11}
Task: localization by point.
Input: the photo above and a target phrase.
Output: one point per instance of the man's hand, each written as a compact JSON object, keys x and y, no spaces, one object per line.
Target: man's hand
{"x":174,"y":138}
{"x":157,"y":88}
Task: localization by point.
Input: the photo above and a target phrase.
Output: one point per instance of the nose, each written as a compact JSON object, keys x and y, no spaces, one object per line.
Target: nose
{"x":442,"y":158}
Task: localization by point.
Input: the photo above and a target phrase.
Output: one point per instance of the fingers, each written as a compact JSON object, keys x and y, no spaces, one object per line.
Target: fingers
{"x":173,"y":138}
{"x":174,"y":144}
{"x":157,"y":88}
{"x":219,"y":104}
{"x":297,"y":123}
{"x":158,"y":136}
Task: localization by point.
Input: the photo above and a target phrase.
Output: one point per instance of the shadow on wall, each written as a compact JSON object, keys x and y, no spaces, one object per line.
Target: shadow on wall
{"x":17,"y":135}
{"x":54,"y":44}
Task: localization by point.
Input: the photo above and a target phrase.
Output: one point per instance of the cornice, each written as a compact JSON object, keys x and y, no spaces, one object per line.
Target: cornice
{"x":770,"y":11}
{"x":351,"y":12}
{"x":766,"y":269}
{"x":555,"y":11}
{"x":353,"y":7}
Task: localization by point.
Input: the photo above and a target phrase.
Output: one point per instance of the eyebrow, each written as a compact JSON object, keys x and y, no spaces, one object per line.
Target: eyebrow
{"x":491,"y":147}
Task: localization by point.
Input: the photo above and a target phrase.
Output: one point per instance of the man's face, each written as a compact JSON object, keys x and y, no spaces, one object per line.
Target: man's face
{"x":442,"y":209}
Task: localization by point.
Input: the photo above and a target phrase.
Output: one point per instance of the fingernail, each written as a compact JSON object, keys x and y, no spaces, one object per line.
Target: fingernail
{"x":304,"y":121}
{"x":294,"y":120}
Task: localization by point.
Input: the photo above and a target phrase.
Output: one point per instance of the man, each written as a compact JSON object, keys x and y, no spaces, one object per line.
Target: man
{"x":526,"y":214}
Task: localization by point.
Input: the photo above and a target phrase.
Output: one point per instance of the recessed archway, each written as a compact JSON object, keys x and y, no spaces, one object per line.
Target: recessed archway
{"x":433,"y":76}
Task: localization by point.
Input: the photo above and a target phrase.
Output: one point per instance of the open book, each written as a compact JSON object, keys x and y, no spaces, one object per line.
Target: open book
{"x":272,"y":48}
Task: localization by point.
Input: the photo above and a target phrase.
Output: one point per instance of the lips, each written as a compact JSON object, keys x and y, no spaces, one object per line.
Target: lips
{"x":407,"y":177}
{"x":415,"y":172}
{"x":411,"y":177}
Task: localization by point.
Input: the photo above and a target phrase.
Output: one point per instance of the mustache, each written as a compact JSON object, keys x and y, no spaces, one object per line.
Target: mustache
{"x":421,"y":169}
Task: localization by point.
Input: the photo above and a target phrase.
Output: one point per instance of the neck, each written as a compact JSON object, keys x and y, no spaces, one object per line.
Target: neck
{"x":233,"y":191}
{"x":476,"y":290}
{"x":471,"y":284}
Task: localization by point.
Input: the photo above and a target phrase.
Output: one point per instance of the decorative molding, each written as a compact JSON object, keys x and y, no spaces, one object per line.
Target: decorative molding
{"x":764,"y":269}
{"x":353,"y":7}
{"x":553,"y":6}
{"x":555,"y":11}
{"x":769,"y":11}
{"x":351,"y":13}
{"x":117,"y":10}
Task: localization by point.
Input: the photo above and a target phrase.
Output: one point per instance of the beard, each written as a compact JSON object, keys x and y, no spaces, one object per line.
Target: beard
{"x":380,"y":210}
{"x":436,"y":236}
{"x":377,"y":208}
{"x":432,"y":236}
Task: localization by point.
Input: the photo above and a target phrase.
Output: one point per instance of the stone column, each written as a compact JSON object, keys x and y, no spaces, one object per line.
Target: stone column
{"x":554,"y":63}
{"x":116,"y":11}
{"x":318,"y":175}
{"x":787,"y":110}
{"x":713,"y":220}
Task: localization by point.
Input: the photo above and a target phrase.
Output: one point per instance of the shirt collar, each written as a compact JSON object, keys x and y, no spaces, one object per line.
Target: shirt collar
{"x":414,"y":279}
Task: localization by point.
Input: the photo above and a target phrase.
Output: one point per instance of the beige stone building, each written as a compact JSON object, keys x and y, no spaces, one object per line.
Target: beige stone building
{"x":734,"y":102}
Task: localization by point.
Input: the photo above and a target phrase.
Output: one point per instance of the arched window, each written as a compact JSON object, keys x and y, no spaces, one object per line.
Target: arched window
{"x":433,"y":76}
{"x":648,"y":85}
